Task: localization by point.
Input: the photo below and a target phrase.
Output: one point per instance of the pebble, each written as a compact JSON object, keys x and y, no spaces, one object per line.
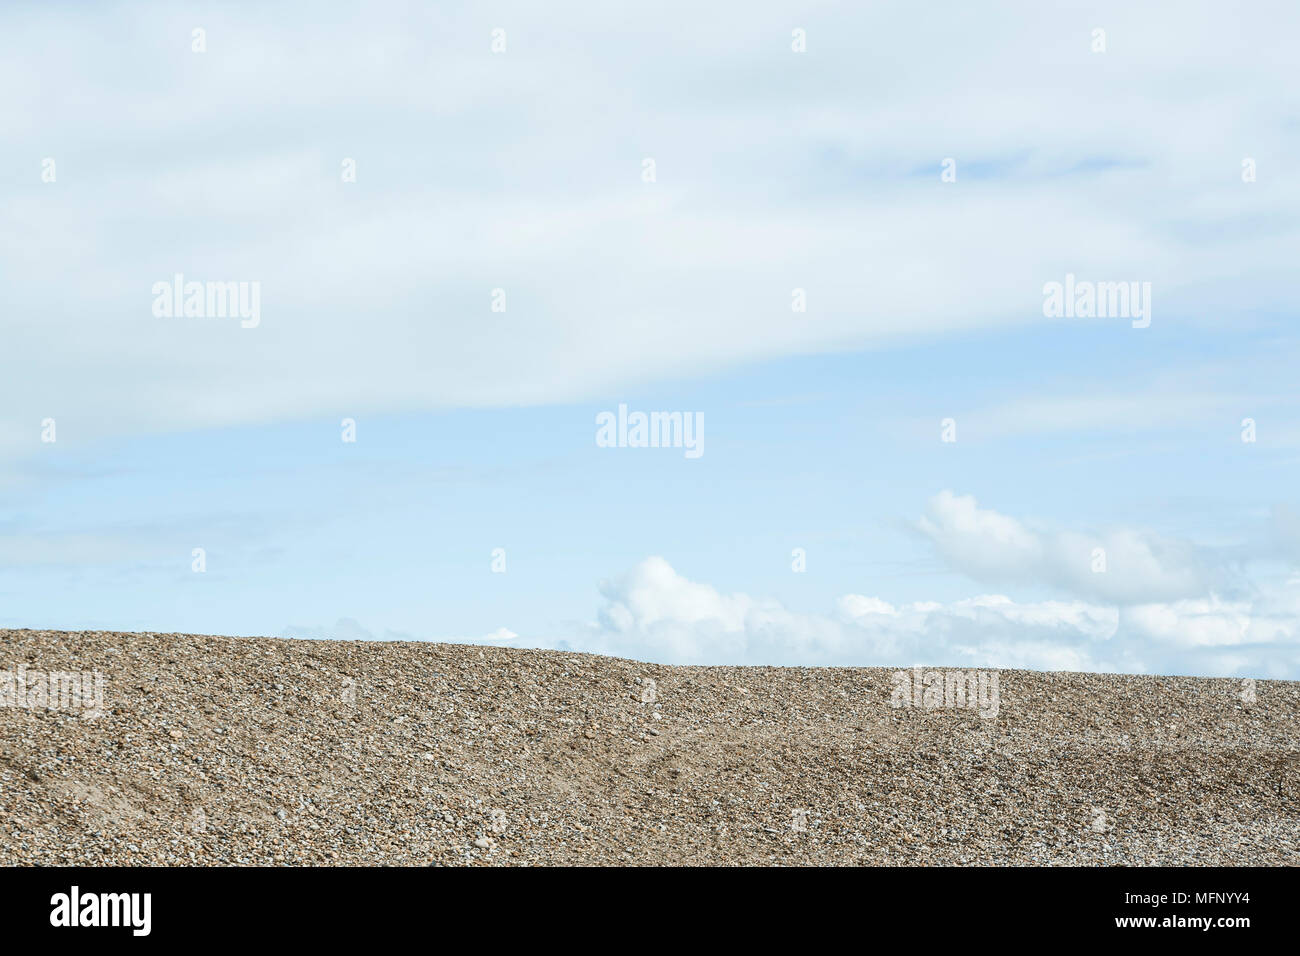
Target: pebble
{"x":553,"y":754}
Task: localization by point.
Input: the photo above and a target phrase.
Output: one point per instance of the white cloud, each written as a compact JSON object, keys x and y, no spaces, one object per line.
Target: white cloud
{"x":995,"y":548}
{"x":654,"y":613}
{"x":1158,"y":607}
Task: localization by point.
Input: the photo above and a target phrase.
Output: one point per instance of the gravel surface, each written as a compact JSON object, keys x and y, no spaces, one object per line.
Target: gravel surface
{"x":215,"y":750}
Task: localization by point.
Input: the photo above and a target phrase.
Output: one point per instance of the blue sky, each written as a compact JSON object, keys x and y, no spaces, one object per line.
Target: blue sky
{"x":775,"y":170}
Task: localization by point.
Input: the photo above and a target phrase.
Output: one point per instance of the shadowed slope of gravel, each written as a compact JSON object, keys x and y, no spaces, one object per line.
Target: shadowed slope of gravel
{"x":216,"y":750}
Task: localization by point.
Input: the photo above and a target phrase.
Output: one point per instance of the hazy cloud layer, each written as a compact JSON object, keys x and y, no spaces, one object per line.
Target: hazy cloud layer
{"x":522,"y":171}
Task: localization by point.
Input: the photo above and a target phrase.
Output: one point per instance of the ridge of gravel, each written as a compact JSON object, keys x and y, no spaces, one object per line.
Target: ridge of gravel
{"x":267,"y":751}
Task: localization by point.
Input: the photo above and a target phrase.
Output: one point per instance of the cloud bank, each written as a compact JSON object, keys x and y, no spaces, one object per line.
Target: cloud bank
{"x":1149,"y":622}
{"x":1159,"y":606}
{"x":654,"y":613}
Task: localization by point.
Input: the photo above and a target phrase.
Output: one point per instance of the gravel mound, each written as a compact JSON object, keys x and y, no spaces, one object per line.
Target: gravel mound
{"x":215,"y":750}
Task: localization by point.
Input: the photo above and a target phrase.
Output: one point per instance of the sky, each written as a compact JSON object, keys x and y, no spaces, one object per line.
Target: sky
{"x":823,"y":233}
